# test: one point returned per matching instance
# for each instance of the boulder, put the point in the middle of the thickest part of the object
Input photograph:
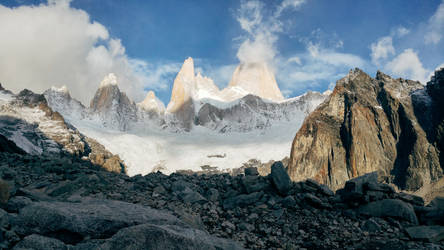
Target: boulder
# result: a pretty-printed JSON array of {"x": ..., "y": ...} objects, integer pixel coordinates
[
  {"x": 280, "y": 179},
  {"x": 371, "y": 226},
  {"x": 38, "y": 242},
  {"x": 16, "y": 203},
  {"x": 4, "y": 192},
  {"x": 191, "y": 196},
  {"x": 357, "y": 184},
  {"x": 315, "y": 201},
  {"x": 242, "y": 200},
  {"x": 426, "y": 233},
  {"x": 253, "y": 184},
  {"x": 251, "y": 171},
  {"x": 390, "y": 208},
  {"x": 71, "y": 222},
  {"x": 149, "y": 236},
  {"x": 410, "y": 198}
]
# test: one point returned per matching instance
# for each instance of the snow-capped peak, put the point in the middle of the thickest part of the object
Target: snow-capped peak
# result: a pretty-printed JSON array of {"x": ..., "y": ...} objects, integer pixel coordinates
[
  {"x": 152, "y": 103},
  {"x": 110, "y": 79},
  {"x": 62, "y": 89}
]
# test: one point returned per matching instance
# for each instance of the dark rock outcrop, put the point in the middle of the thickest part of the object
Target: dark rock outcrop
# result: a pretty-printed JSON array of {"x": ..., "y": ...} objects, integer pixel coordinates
[
  {"x": 372, "y": 124},
  {"x": 9, "y": 146}
]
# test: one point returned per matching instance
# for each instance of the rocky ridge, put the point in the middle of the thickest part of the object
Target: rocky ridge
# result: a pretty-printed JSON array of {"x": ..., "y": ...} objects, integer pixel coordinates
[
  {"x": 195, "y": 102},
  {"x": 373, "y": 124},
  {"x": 27, "y": 120},
  {"x": 204, "y": 211}
]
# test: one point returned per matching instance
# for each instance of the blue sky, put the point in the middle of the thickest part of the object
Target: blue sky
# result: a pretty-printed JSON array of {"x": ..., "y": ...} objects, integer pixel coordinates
[{"x": 309, "y": 43}]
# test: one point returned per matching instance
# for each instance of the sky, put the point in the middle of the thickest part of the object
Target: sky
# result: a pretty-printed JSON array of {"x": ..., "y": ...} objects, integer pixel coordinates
[{"x": 309, "y": 44}]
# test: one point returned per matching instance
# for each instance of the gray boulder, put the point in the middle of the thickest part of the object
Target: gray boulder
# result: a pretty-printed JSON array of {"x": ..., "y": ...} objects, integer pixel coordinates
[
  {"x": 251, "y": 171},
  {"x": 242, "y": 200},
  {"x": 426, "y": 233},
  {"x": 253, "y": 184},
  {"x": 38, "y": 242},
  {"x": 149, "y": 236},
  {"x": 390, "y": 208},
  {"x": 357, "y": 184},
  {"x": 71, "y": 222},
  {"x": 279, "y": 177}
]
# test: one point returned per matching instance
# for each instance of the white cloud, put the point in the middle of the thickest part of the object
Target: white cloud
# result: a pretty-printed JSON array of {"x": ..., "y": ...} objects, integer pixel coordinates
[
  {"x": 55, "y": 44},
  {"x": 320, "y": 66},
  {"x": 155, "y": 76},
  {"x": 250, "y": 15},
  {"x": 382, "y": 49},
  {"x": 262, "y": 31},
  {"x": 408, "y": 65},
  {"x": 402, "y": 31},
  {"x": 260, "y": 49},
  {"x": 295, "y": 59},
  {"x": 435, "y": 26},
  {"x": 334, "y": 58},
  {"x": 287, "y": 4}
]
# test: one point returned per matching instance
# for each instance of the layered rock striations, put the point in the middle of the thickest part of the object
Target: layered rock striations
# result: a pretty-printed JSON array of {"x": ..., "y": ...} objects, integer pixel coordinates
[{"x": 371, "y": 124}]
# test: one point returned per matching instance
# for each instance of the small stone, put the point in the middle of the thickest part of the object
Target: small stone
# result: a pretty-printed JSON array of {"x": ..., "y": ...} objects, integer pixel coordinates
[
  {"x": 251, "y": 171},
  {"x": 288, "y": 202},
  {"x": 371, "y": 226},
  {"x": 213, "y": 194}
]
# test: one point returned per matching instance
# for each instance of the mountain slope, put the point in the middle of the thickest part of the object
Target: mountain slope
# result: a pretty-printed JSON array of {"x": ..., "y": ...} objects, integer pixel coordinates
[
  {"x": 368, "y": 125},
  {"x": 28, "y": 121}
]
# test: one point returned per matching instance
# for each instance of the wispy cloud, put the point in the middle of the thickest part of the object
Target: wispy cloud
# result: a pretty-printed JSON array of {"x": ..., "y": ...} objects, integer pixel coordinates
[
  {"x": 382, "y": 49},
  {"x": 435, "y": 26}
]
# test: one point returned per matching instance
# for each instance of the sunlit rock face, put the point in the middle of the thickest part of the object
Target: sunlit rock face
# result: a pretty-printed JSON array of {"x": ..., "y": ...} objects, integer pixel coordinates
[
  {"x": 369, "y": 124},
  {"x": 256, "y": 79}
]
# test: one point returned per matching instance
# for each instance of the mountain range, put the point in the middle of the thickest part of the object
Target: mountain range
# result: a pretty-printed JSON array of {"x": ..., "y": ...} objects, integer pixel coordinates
[{"x": 393, "y": 126}]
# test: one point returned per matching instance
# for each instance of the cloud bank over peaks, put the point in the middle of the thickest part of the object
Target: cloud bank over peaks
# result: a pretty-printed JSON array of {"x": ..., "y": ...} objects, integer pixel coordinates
[{"x": 55, "y": 44}]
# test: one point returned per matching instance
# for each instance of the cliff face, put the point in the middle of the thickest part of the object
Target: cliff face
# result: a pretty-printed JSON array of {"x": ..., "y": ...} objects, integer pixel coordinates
[
  {"x": 112, "y": 105},
  {"x": 256, "y": 79},
  {"x": 370, "y": 125}
]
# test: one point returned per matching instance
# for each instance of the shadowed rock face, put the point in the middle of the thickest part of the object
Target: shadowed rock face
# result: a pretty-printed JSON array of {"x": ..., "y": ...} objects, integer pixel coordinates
[
  {"x": 115, "y": 108},
  {"x": 371, "y": 124}
]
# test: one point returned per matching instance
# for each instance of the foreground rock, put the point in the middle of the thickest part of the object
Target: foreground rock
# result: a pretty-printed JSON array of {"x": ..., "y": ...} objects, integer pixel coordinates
[{"x": 82, "y": 206}]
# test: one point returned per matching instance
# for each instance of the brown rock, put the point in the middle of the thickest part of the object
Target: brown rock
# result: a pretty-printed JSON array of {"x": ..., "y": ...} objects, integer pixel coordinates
[{"x": 367, "y": 124}]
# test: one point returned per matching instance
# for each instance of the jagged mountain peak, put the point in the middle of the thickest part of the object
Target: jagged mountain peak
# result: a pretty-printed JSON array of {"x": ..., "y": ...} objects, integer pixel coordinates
[
  {"x": 187, "y": 70},
  {"x": 152, "y": 103},
  {"x": 257, "y": 79},
  {"x": 108, "y": 80}
]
